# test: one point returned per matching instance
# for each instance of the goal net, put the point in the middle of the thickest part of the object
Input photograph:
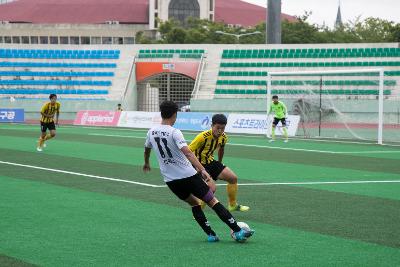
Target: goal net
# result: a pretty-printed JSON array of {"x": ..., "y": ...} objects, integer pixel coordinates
[{"x": 356, "y": 104}]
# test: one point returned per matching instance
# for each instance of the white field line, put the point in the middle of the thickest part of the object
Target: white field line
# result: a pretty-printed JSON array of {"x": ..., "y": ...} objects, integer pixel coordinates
[
  {"x": 79, "y": 174},
  {"x": 344, "y": 141},
  {"x": 314, "y": 150},
  {"x": 269, "y": 147},
  {"x": 319, "y": 183},
  {"x": 161, "y": 186}
]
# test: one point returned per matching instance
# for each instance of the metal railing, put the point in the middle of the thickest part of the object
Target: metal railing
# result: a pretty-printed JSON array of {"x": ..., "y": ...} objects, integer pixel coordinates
[{"x": 198, "y": 77}]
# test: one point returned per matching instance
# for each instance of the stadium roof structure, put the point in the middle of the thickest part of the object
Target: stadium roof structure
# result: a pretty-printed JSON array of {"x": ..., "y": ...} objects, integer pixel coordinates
[
  {"x": 242, "y": 13},
  {"x": 123, "y": 11}
]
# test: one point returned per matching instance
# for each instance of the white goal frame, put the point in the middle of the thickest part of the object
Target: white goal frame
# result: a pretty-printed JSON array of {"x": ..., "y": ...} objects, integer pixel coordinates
[{"x": 379, "y": 71}]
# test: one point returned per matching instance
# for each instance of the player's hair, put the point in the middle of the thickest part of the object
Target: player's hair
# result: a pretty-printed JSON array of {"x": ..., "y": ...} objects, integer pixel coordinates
[
  {"x": 275, "y": 97},
  {"x": 168, "y": 109},
  {"x": 119, "y": 105},
  {"x": 219, "y": 119},
  {"x": 52, "y": 95}
]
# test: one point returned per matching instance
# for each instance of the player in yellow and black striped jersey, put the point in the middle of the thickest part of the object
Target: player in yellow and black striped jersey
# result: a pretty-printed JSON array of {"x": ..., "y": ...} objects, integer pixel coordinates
[
  {"x": 48, "y": 111},
  {"x": 204, "y": 146}
]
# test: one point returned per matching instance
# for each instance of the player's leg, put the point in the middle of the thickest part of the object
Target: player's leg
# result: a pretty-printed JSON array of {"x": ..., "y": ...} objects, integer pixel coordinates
[
  {"x": 52, "y": 132},
  {"x": 182, "y": 189},
  {"x": 211, "y": 184},
  {"x": 274, "y": 123},
  {"x": 225, "y": 216},
  {"x": 284, "y": 129},
  {"x": 201, "y": 190},
  {"x": 232, "y": 188},
  {"x": 201, "y": 219},
  {"x": 43, "y": 130}
]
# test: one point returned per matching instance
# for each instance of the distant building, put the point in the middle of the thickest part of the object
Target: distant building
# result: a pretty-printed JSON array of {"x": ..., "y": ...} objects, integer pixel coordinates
[
  {"x": 338, "y": 22},
  {"x": 112, "y": 21}
]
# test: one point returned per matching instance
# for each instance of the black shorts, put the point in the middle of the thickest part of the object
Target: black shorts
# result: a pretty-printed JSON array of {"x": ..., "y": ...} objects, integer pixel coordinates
[
  {"x": 214, "y": 168},
  {"x": 194, "y": 185},
  {"x": 47, "y": 125},
  {"x": 276, "y": 121}
]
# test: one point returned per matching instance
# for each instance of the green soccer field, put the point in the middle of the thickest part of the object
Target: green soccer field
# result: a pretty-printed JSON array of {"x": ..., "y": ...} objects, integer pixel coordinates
[{"x": 84, "y": 201}]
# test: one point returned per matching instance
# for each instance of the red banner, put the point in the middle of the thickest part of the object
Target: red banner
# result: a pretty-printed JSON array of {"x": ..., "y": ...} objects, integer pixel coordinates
[{"x": 145, "y": 70}]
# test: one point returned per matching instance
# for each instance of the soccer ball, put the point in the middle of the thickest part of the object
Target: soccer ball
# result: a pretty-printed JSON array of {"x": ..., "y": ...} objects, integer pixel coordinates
[{"x": 242, "y": 225}]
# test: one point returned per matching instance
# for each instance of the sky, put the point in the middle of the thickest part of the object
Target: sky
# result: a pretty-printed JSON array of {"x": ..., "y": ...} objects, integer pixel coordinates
[{"x": 324, "y": 11}]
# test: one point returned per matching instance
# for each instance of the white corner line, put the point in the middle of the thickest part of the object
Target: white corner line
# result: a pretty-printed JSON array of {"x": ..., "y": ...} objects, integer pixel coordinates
[{"x": 81, "y": 174}]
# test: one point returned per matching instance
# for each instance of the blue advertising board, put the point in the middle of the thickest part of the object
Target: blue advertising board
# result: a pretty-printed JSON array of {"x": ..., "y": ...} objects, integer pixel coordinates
[
  {"x": 193, "y": 121},
  {"x": 12, "y": 115}
]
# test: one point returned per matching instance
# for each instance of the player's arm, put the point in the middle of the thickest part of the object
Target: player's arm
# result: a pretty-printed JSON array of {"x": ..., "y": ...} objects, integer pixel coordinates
[
  {"x": 45, "y": 115},
  {"x": 43, "y": 110},
  {"x": 197, "y": 142},
  {"x": 147, "y": 151},
  {"x": 187, "y": 151},
  {"x": 196, "y": 163},
  {"x": 146, "y": 166},
  {"x": 221, "y": 150},
  {"x": 269, "y": 112},
  {"x": 284, "y": 109},
  {"x": 192, "y": 159},
  {"x": 57, "y": 115}
]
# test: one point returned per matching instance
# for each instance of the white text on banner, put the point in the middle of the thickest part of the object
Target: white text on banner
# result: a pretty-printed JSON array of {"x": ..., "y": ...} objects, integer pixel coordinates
[{"x": 259, "y": 124}]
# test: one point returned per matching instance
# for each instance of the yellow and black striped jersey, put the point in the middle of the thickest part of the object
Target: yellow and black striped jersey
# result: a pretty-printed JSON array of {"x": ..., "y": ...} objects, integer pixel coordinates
[
  {"x": 204, "y": 145},
  {"x": 49, "y": 109}
]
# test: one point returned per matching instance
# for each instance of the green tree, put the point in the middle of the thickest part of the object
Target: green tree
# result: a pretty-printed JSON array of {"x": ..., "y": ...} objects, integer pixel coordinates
[
  {"x": 196, "y": 31},
  {"x": 375, "y": 30}
]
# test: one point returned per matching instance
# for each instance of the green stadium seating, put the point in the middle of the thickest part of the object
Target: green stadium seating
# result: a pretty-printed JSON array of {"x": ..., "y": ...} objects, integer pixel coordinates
[
  {"x": 312, "y": 53},
  {"x": 295, "y": 92},
  {"x": 309, "y": 64}
]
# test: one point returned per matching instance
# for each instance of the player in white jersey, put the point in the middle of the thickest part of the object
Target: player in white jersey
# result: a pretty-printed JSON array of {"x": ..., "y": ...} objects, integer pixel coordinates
[{"x": 184, "y": 174}]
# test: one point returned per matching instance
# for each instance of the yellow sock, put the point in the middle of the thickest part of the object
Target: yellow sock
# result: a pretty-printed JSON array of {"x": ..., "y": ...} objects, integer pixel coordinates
[
  {"x": 273, "y": 132},
  {"x": 47, "y": 137},
  {"x": 285, "y": 132},
  {"x": 41, "y": 141},
  {"x": 232, "y": 193}
]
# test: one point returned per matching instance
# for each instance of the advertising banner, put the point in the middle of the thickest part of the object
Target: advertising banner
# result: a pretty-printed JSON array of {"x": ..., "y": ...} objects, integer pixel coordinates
[
  {"x": 12, "y": 115},
  {"x": 97, "y": 118},
  {"x": 259, "y": 124},
  {"x": 193, "y": 121},
  {"x": 139, "y": 119}
]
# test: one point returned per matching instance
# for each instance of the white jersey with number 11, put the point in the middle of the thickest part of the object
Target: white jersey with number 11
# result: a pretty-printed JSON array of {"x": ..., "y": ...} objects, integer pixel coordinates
[{"x": 167, "y": 142}]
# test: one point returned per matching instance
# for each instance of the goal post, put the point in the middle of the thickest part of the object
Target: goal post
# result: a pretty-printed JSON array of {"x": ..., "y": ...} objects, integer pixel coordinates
[{"x": 334, "y": 103}]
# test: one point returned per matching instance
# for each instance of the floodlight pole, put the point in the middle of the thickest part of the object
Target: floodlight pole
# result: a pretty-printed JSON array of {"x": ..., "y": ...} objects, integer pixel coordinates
[{"x": 274, "y": 29}]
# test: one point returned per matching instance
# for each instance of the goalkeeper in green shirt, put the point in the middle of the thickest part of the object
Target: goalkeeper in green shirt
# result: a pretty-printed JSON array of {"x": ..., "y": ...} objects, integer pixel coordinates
[{"x": 280, "y": 111}]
